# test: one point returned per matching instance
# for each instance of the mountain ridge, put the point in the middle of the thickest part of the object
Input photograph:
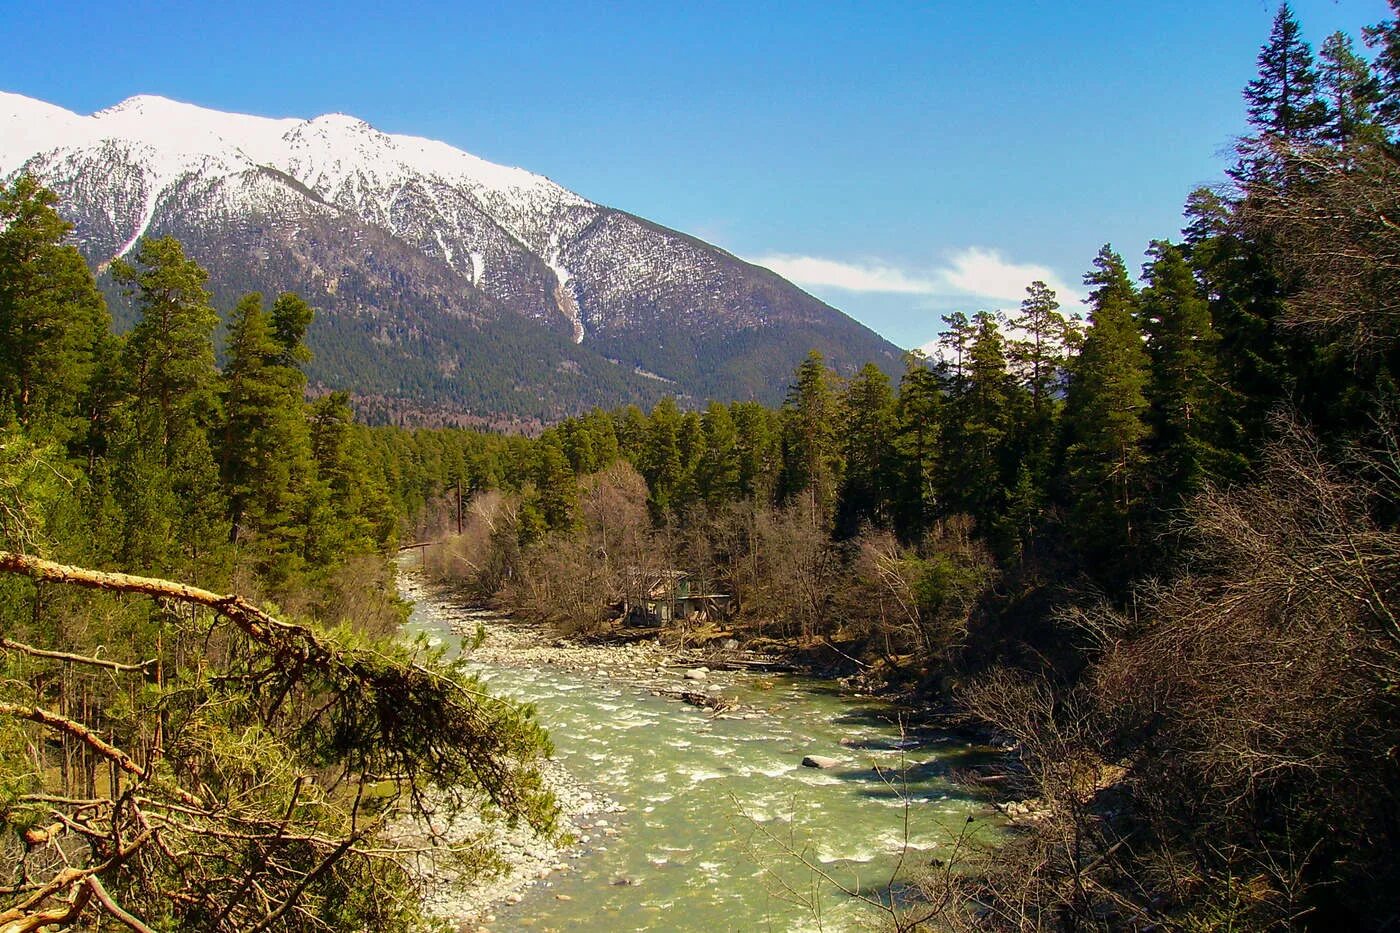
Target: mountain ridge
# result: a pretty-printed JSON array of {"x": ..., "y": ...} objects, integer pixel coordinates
[{"x": 284, "y": 203}]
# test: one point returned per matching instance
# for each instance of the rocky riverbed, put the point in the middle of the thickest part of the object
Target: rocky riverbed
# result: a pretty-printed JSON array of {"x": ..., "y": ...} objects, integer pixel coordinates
[
  {"x": 669, "y": 793},
  {"x": 527, "y": 858}
]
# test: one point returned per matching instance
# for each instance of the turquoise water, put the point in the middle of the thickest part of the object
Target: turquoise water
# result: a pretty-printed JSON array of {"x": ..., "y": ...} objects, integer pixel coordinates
[{"x": 723, "y": 828}]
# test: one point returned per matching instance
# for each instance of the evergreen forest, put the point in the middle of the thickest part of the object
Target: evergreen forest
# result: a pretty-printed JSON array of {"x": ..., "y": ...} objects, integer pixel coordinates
[{"x": 1152, "y": 545}]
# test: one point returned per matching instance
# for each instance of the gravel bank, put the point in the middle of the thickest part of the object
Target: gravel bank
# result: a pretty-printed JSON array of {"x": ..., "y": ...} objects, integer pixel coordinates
[{"x": 530, "y": 859}]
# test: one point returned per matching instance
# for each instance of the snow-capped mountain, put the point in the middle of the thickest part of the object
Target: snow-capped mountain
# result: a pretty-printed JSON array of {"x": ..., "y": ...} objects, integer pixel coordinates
[{"x": 421, "y": 257}]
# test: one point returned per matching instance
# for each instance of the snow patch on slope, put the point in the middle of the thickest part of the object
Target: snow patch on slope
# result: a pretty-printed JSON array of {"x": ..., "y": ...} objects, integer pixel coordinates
[{"x": 563, "y": 294}]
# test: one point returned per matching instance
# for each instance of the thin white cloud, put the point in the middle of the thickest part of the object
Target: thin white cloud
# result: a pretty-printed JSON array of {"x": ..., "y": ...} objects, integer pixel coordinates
[
  {"x": 986, "y": 274},
  {"x": 980, "y": 277},
  {"x": 848, "y": 276}
]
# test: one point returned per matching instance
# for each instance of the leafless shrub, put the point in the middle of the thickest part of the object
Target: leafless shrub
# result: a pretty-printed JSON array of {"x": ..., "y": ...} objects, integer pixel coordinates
[
  {"x": 1252, "y": 704},
  {"x": 916, "y": 603},
  {"x": 1332, "y": 218}
]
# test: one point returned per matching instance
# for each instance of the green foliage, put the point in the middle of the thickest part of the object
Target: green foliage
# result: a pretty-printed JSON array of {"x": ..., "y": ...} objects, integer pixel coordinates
[
  {"x": 1351, "y": 94},
  {"x": 1106, "y": 416},
  {"x": 266, "y": 458},
  {"x": 869, "y": 479},
  {"x": 170, "y": 352},
  {"x": 1186, "y": 400},
  {"x": 51, "y": 315},
  {"x": 1282, "y": 99},
  {"x": 140, "y": 453},
  {"x": 813, "y": 460}
]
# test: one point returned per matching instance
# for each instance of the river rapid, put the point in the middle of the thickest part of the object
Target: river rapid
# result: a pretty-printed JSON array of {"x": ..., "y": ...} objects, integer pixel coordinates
[{"x": 698, "y": 821}]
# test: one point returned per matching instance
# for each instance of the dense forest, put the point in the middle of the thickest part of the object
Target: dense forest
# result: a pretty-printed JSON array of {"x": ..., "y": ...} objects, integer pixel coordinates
[
  {"x": 1151, "y": 545},
  {"x": 1154, "y": 548},
  {"x": 171, "y": 756}
]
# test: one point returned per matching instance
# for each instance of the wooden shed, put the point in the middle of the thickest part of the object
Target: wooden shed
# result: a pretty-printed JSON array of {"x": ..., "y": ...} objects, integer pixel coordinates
[{"x": 664, "y": 596}]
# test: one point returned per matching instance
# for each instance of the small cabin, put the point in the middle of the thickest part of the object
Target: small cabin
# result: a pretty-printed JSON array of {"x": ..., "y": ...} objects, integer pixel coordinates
[{"x": 664, "y": 596}]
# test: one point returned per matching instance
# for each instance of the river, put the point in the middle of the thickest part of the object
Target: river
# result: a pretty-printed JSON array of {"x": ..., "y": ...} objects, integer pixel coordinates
[{"x": 717, "y": 814}]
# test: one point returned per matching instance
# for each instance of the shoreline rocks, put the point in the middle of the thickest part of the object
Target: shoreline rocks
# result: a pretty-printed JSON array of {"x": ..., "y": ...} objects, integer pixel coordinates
[{"x": 820, "y": 761}]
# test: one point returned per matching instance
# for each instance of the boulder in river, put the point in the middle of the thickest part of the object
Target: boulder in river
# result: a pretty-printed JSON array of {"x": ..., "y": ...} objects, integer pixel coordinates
[
  {"x": 696, "y": 673},
  {"x": 819, "y": 761}
]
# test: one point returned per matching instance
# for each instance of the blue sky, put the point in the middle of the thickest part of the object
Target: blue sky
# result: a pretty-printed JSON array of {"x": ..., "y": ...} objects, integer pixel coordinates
[{"x": 898, "y": 160}]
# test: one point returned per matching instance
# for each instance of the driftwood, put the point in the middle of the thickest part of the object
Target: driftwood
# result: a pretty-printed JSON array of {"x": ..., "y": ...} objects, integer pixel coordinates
[
  {"x": 719, "y": 662},
  {"x": 702, "y": 700}
]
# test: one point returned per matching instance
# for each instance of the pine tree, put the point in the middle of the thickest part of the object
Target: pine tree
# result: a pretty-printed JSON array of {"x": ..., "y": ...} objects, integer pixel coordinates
[
  {"x": 1240, "y": 276},
  {"x": 630, "y": 426},
  {"x": 919, "y": 414},
  {"x": 266, "y": 456},
  {"x": 1351, "y": 94},
  {"x": 598, "y": 426},
  {"x": 759, "y": 450},
  {"x": 955, "y": 343},
  {"x": 577, "y": 444},
  {"x": 1282, "y": 100},
  {"x": 1037, "y": 349},
  {"x": 1184, "y": 388},
  {"x": 812, "y": 458},
  {"x": 557, "y": 488},
  {"x": 170, "y": 352},
  {"x": 866, "y": 490},
  {"x": 661, "y": 454},
  {"x": 164, "y": 453},
  {"x": 975, "y": 433},
  {"x": 52, "y": 317},
  {"x": 1385, "y": 38},
  {"x": 1106, "y": 417},
  {"x": 348, "y": 511},
  {"x": 690, "y": 443},
  {"x": 719, "y": 471}
]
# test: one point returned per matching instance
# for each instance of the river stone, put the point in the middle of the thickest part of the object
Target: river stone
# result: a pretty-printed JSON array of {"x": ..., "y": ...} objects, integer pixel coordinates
[
  {"x": 730, "y": 644},
  {"x": 819, "y": 761},
  {"x": 696, "y": 673}
]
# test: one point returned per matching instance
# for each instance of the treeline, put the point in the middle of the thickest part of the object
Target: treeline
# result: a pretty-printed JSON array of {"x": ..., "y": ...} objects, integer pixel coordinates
[
  {"x": 1154, "y": 548},
  {"x": 206, "y": 718}
]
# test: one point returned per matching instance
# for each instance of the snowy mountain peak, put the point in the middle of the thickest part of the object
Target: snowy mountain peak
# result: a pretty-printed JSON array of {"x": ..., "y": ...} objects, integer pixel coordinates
[
  {"x": 143, "y": 103},
  {"x": 412, "y": 246}
]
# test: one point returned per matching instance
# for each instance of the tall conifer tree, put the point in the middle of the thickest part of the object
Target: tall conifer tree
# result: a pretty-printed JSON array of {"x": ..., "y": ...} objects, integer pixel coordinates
[
  {"x": 1351, "y": 95},
  {"x": 812, "y": 458},
  {"x": 1185, "y": 386},
  {"x": 266, "y": 459},
  {"x": 975, "y": 434},
  {"x": 1106, "y": 415},
  {"x": 52, "y": 316},
  {"x": 866, "y": 490},
  {"x": 1385, "y": 38},
  {"x": 1282, "y": 100},
  {"x": 919, "y": 414}
]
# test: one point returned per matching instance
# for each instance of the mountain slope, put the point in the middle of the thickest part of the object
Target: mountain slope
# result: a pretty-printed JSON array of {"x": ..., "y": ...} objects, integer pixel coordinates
[{"x": 441, "y": 278}]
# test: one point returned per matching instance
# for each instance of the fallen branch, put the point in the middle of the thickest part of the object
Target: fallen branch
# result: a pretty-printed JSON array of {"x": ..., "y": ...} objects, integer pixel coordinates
[
  {"x": 258, "y": 625},
  {"x": 8, "y": 645},
  {"x": 92, "y": 740}
]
